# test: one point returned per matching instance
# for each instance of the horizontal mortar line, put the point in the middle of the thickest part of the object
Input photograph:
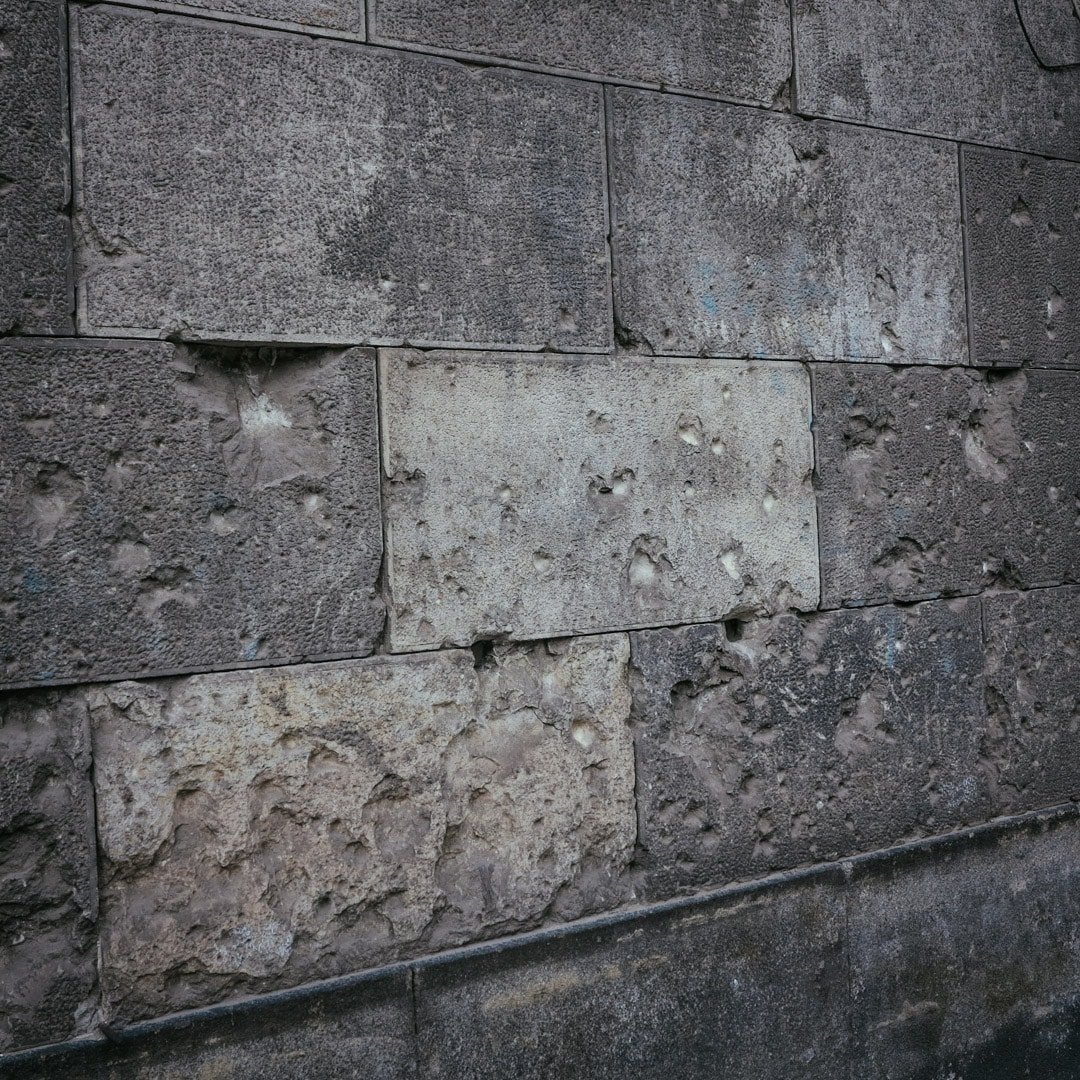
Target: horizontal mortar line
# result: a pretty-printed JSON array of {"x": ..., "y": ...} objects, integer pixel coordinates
[
  {"x": 239, "y": 1008},
  {"x": 938, "y": 597}
]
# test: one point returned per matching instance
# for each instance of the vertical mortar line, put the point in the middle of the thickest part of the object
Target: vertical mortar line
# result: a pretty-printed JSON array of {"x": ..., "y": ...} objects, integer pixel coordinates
[
  {"x": 69, "y": 101},
  {"x": 384, "y": 520},
  {"x": 965, "y": 257},
  {"x": 414, "y": 1012},
  {"x": 368, "y": 18},
  {"x": 607, "y": 148},
  {"x": 849, "y": 975},
  {"x": 794, "y": 57},
  {"x": 814, "y": 484}
]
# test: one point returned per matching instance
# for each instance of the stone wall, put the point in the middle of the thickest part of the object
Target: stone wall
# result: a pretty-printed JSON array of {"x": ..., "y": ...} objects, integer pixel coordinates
[{"x": 540, "y": 540}]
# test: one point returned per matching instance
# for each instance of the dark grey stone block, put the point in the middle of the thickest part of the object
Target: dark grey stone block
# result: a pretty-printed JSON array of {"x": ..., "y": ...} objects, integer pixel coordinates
[
  {"x": 943, "y": 482},
  {"x": 48, "y": 876},
  {"x": 247, "y": 185},
  {"x": 745, "y": 232},
  {"x": 1052, "y": 28},
  {"x": 173, "y": 509},
  {"x": 1022, "y": 233},
  {"x": 35, "y": 239},
  {"x": 741, "y": 51}
]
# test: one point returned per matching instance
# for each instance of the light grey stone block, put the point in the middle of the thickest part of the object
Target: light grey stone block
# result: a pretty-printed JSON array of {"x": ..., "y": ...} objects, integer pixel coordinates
[
  {"x": 344, "y": 18},
  {"x": 742, "y": 232},
  {"x": 172, "y": 508},
  {"x": 741, "y": 50},
  {"x": 541, "y": 496},
  {"x": 242, "y": 184},
  {"x": 961, "y": 69}
]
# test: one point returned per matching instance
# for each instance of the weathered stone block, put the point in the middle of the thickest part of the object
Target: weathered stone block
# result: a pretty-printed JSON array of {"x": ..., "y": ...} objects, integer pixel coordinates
[
  {"x": 343, "y": 18},
  {"x": 242, "y": 184},
  {"x": 35, "y": 241},
  {"x": 48, "y": 886},
  {"x": 170, "y": 509},
  {"x": 740, "y": 50},
  {"x": 805, "y": 739},
  {"x": 1053, "y": 30},
  {"x": 260, "y": 829},
  {"x": 743, "y": 232},
  {"x": 1022, "y": 228},
  {"x": 1033, "y": 693},
  {"x": 962, "y": 69},
  {"x": 940, "y": 482},
  {"x": 545, "y": 496}
]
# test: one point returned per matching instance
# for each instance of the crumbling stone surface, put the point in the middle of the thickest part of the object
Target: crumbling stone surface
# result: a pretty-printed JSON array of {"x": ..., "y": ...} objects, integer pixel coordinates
[
  {"x": 173, "y": 508},
  {"x": 35, "y": 242},
  {"x": 536, "y": 497},
  {"x": 344, "y": 17},
  {"x": 373, "y": 196},
  {"x": 1023, "y": 251},
  {"x": 742, "y": 232},
  {"x": 963, "y": 69},
  {"x": 741, "y": 51},
  {"x": 804, "y": 740},
  {"x": 933, "y": 482},
  {"x": 264, "y": 828},
  {"x": 48, "y": 887}
]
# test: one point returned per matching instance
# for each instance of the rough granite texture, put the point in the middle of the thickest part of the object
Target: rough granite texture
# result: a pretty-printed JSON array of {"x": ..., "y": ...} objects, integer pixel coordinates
[
  {"x": 176, "y": 508},
  {"x": 1053, "y": 30},
  {"x": 536, "y": 497},
  {"x": 35, "y": 237},
  {"x": 962, "y": 69},
  {"x": 48, "y": 886},
  {"x": 740, "y": 50},
  {"x": 1022, "y": 226},
  {"x": 939, "y": 482},
  {"x": 373, "y": 196},
  {"x": 260, "y": 829},
  {"x": 743, "y": 232},
  {"x": 342, "y": 17}
]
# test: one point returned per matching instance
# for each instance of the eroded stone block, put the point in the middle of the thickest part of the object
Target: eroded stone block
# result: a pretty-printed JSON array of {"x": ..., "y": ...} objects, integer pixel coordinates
[
  {"x": 172, "y": 508},
  {"x": 536, "y": 497},
  {"x": 308, "y": 190},
  {"x": 260, "y": 829},
  {"x": 940, "y": 482},
  {"x": 742, "y": 232},
  {"x": 733, "y": 50},
  {"x": 963, "y": 69},
  {"x": 35, "y": 242},
  {"x": 1022, "y": 224}
]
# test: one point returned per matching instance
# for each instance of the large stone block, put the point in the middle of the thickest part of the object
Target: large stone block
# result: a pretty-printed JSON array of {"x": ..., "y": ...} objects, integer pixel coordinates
[
  {"x": 342, "y": 18},
  {"x": 741, "y": 51},
  {"x": 48, "y": 878},
  {"x": 170, "y": 509},
  {"x": 943, "y": 482},
  {"x": 260, "y": 829},
  {"x": 545, "y": 496},
  {"x": 35, "y": 239},
  {"x": 962, "y": 69},
  {"x": 804, "y": 739},
  {"x": 242, "y": 184},
  {"x": 744, "y": 232},
  {"x": 1022, "y": 229}
]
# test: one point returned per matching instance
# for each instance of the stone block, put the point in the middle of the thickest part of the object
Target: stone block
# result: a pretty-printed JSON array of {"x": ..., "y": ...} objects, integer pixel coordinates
[
  {"x": 1022, "y": 229},
  {"x": 743, "y": 232},
  {"x": 35, "y": 237},
  {"x": 740, "y": 51},
  {"x": 804, "y": 739},
  {"x": 342, "y": 18},
  {"x": 242, "y": 184},
  {"x": 933, "y": 483},
  {"x": 48, "y": 877},
  {"x": 264, "y": 828},
  {"x": 538, "y": 497},
  {"x": 1053, "y": 30},
  {"x": 961, "y": 69},
  {"x": 172, "y": 509}
]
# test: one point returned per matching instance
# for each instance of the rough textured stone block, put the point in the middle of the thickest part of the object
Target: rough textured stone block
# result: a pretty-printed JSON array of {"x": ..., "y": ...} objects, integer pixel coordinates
[
  {"x": 933, "y": 482},
  {"x": 48, "y": 886},
  {"x": 260, "y": 829},
  {"x": 962, "y": 69},
  {"x": 739, "y": 50},
  {"x": 341, "y": 17},
  {"x": 539, "y": 497},
  {"x": 743, "y": 232},
  {"x": 35, "y": 242},
  {"x": 1033, "y": 693},
  {"x": 1052, "y": 28},
  {"x": 805, "y": 739},
  {"x": 171, "y": 509},
  {"x": 752, "y": 986},
  {"x": 1022, "y": 227},
  {"x": 243, "y": 184}
]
